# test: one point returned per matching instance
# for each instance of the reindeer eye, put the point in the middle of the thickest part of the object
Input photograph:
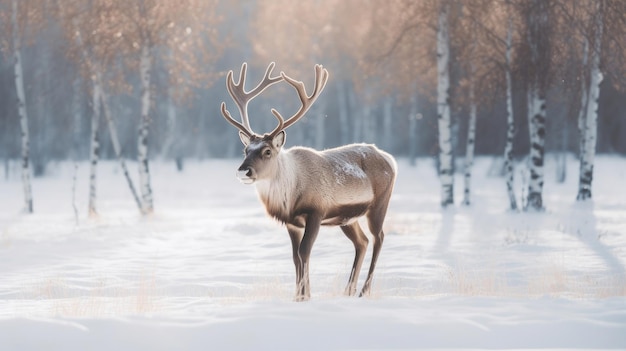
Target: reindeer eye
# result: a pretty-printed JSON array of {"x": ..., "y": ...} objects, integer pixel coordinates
[{"x": 267, "y": 152}]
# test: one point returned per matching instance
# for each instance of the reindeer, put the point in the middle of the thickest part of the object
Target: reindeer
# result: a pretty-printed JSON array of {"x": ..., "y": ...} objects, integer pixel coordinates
[{"x": 304, "y": 188}]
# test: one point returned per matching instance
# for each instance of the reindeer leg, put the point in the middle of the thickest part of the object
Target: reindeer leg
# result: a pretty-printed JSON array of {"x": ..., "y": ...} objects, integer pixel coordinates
[
  {"x": 378, "y": 243},
  {"x": 375, "y": 219},
  {"x": 295, "y": 234},
  {"x": 355, "y": 234},
  {"x": 311, "y": 229}
]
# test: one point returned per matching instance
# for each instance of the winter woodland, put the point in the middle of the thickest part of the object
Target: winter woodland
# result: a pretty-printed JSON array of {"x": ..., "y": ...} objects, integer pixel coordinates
[
  {"x": 141, "y": 80},
  {"x": 112, "y": 141}
]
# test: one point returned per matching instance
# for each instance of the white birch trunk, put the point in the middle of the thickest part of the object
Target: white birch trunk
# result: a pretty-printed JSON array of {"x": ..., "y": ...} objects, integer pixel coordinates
[
  {"x": 510, "y": 121},
  {"x": 584, "y": 99},
  {"x": 471, "y": 132},
  {"x": 536, "y": 113},
  {"x": 21, "y": 109},
  {"x": 537, "y": 118},
  {"x": 103, "y": 102},
  {"x": 591, "y": 118},
  {"x": 443, "y": 110},
  {"x": 94, "y": 149},
  {"x": 145, "y": 67},
  {"x": 115, "y": 141},
  {"x": 471, "y": 137}
]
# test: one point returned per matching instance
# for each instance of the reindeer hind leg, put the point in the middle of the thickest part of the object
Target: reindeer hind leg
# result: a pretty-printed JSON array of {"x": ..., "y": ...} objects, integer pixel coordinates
[
  {"x": 354, "y": 232},
  {"x": 375, "y": 219}
]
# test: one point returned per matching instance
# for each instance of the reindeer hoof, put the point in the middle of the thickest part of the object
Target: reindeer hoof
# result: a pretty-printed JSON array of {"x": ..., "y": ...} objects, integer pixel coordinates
[
  {"x": 350, "y": 292},
  {"x": 301, "y": 298}
]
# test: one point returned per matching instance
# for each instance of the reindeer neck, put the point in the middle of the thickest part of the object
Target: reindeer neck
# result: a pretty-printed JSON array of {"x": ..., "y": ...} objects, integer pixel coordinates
[{"x": 277, "y": 192}]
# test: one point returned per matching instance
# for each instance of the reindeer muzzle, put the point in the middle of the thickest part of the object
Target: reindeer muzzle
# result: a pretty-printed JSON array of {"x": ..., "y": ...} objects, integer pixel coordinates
[{"x": 246, "y": 175}]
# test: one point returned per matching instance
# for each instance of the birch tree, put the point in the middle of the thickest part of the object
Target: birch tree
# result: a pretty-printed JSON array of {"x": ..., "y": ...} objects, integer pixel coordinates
[
  {"x": 538, "y": 19},
  {"x": 509, "y": 172},
  {"x": 604, "y": 29},
  {"x": 473, "y": 59},
  {"x": 469, "y": 51},
  {"x": 21, "y": 18},
  {"x": 94, "y": 149},
  {"x": 446, "y": 169},
  {"x": 477, "y": 43},
  {"x": 500, "y": 42},
  {"x": 488, "y": 57},
  {"x": 145, "y": 72},
  {"x": 587, "y": 122},
  {"x": 93, "y": 45},
  {"x": 183, "y": 30},
  {"x": 471, "y": 140},
  {"x": 21, "y": 105},
  {"x": 74, "y": 26},
  {"x": 404, "y": 51},
  {"x": 584, "y": 98}
]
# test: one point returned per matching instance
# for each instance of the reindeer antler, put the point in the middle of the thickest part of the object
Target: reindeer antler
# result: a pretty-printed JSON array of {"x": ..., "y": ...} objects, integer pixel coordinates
[
  {"x": 321, "y": 77},
  {"x": 242, "y": 97}
]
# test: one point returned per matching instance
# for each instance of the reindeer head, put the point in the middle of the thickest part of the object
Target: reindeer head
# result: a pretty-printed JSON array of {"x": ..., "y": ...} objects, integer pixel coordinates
[{"x": 262, "y": 151}]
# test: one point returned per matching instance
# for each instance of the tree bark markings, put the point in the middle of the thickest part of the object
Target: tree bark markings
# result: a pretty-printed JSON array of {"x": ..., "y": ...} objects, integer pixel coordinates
[
  {"x": 21, "y": 108},
  {"x": 94, "y": 149},
  {"x": 510, "y": 119},
  {"x": 103, "y": 101},
  {"x": 142, "y": 140},
  {"x": 536, "y": 101},
  {"x": 471, "y": 130},
  {"x": 443, "y": 110},
  {"x": 590, "y": 123}
]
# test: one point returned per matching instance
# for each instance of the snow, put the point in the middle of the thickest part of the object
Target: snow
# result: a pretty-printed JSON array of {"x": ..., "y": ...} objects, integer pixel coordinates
[{"x": 209, "y": 270}]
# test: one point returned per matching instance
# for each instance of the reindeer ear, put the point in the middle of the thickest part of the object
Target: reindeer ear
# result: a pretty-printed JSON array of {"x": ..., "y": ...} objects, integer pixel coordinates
[
  {"x": 244, "y": 138},
  {"x": 279, "y": 139}
]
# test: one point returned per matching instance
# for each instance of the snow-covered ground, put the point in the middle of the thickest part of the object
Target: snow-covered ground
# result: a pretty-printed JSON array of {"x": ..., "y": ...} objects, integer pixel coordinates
[{"x": 210, "y": 271}]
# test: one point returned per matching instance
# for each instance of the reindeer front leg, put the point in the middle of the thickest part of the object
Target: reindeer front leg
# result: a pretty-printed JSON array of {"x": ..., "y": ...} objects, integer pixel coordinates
[
  {"x": 312, "y": 227},
  {"x": 295, "y": 234}
]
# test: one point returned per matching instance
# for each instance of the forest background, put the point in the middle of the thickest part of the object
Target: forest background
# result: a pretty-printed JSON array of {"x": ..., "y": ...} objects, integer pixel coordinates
[{"x": 144, "y": 79}]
